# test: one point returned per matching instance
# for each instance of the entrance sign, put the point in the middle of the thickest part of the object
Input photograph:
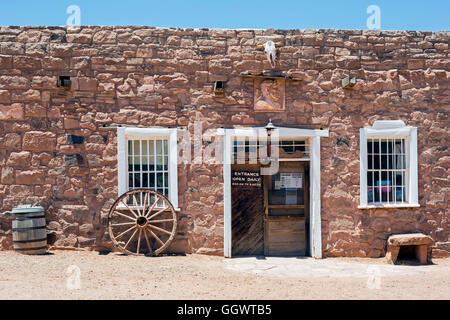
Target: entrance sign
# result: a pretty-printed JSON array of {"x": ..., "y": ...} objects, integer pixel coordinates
[{"x": 246, "y": 179}]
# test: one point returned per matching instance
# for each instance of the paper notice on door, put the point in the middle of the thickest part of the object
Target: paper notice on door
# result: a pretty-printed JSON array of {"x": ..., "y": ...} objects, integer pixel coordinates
[
  {"x": 277, "y": 184},
  {"x": 291, "y": 180}
]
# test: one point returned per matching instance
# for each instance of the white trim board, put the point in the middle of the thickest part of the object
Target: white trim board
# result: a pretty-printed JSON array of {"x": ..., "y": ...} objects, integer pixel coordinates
[{"x": 283, "y": 133}]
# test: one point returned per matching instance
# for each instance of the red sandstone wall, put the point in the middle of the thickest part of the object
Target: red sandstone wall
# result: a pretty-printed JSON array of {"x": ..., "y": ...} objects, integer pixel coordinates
[{"x": 163, "y": 77}]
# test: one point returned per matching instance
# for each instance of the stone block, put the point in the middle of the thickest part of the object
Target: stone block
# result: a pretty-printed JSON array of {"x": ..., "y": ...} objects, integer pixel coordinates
[
  {"x": 30, "y": 177},
  {"x": 11, "y": 112},
  {"x": 105, "y": 37},
  {"x": 39, "y": 141},
  {"x": 19, "y": 159}
]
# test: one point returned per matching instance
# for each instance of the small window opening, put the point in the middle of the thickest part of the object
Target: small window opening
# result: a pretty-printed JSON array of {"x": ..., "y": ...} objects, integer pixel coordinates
[
  {"x": 219, "y": 86},
  {"x": 64, "y": 82}
]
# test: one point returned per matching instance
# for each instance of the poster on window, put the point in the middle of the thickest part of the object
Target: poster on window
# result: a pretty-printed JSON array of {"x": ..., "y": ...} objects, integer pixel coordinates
[{"x": 291, "y": 180}]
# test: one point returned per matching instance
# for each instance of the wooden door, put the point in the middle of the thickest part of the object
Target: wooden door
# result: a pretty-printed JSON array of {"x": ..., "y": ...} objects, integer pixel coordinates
[
  {"x": 247, "y": 198},
  {"x": 286, "y": 211}
]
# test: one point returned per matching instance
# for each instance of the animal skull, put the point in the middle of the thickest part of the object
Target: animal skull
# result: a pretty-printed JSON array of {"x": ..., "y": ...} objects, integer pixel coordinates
[{"x": 271, "y": 51}]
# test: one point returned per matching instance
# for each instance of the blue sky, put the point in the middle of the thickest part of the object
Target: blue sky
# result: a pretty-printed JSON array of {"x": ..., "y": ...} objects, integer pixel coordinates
[{"x": 428, "y": 15}]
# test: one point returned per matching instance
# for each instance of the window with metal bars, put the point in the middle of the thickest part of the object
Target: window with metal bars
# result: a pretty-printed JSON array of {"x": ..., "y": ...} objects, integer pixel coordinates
[
  {"x": 148, "y": 161},
  {"x": 386, "y": 171}
]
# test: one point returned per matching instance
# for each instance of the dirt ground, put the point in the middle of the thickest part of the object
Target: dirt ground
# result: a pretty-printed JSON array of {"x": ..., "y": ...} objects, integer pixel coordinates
[{"x": 115, "y": 276}]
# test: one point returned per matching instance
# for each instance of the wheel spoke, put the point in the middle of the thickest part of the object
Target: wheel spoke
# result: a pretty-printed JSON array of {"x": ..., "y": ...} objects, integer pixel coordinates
[
  {"x": 136, "y": 205},
  {"x": 160, "y": 229},
  {"x": 145, "y": 202},
  {"x": 162, "y": 220},
  {"x": 125, "y": 232},
  {"x": 124, "y": 202},
  {"x": 124, "y": 215},
  {"x": 139, "y": 241},
  {"x": 124, "y": 224},
  {"x": 148, "y": 242},
  {"x": 158, "y": 213},
  {"x": 129, "y": 240},
  {"x": 155, "y": 236},
  {"x": 152, "y": 206}
]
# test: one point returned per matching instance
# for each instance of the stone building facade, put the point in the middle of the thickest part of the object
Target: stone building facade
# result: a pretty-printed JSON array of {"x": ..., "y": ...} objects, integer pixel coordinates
[{"x": 156, "y": 77}]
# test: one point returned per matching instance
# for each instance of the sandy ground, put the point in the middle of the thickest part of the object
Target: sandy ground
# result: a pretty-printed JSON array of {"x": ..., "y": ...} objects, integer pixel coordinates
[{"x": 115, "y": 276}]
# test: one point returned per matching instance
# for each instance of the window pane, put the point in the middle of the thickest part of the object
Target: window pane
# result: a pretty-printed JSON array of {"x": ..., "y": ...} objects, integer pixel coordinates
[
  {"x": 399, "y": 194},
  {"x": 166, "y": 148},
  {"x": 152, "y": 180},
  {"x": 384, "y": 164},
  {"x": 159, "y": 147},
  {"x": 369, "y": 179},
  {"x": 370, "y": 162},
  {"x": 390, "y": 162},
  {"x": 369, "y": 146},
  {"x": 389, "y": 186},
  {"x": 376, "y": 161},
  {"x": 137, "y": 180},
  {"x": 159, "y": 179},
  {"x": 376, "y": 146},
  {"x": 144, "y": 147},
  {"x": 166, "y": 179},
  {"x": 151, "y": 161},
  {"x": 166, "y": 163},
  {"x": 398, "y": 146},
  {"x": 390, "y": 146},
  {"x": 130, "y": 163},
  {"x": 151, "y": 147},
  {"x": 399, "y": 162},
  {"x": 144, "y": 163},
  {"x": 145, "y": 180},
  {"x": 137, "y": 163},
  {"x": 130, "y": 180},
  {"x": 399, "y": 178},
  {"x": 370, "y": 194},
  {"x": 137, "y": 147},
  {"x": 383, "y": 146},
  {"x": 159, "y": 163}
]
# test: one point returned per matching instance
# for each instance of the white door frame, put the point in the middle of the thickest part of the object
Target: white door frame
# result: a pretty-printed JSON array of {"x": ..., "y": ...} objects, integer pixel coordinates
[{"x": 314, "y": 195}]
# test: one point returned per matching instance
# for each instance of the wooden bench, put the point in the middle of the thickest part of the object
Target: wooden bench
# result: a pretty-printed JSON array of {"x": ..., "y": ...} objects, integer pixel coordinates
[{"x": 418, "y": 240}]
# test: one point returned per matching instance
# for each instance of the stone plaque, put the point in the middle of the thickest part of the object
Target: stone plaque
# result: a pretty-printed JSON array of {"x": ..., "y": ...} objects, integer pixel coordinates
[
  {"x": 269, "y": 95},
  {"x": 247, "y": 179}
]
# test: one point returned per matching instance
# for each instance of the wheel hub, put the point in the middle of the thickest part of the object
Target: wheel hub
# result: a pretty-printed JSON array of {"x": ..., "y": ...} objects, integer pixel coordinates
[{"x": 141, "y": 222}]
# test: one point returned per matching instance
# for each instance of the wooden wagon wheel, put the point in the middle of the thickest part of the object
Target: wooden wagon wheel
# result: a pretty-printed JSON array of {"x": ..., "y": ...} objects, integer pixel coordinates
[{"x": 142, "y": 222}]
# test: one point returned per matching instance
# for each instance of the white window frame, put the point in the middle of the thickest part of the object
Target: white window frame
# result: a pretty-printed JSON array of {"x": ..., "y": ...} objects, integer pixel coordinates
[
  {"x": 391, "y": 129},
  {"x": 129, "y": 133}
]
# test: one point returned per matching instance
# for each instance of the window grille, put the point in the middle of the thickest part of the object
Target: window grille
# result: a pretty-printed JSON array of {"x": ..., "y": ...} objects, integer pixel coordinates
[
  {"x": 148, "y": 164},
  {"x": 386, "y": 174}
]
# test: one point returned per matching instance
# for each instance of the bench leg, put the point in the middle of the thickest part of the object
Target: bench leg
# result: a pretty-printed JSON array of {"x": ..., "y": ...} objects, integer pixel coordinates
[
  {"x": 421, "y": 253},
  {"x": 392, "y": 253}
]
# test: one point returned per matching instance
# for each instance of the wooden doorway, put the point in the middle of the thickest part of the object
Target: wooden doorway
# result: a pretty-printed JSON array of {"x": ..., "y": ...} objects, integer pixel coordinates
[
  {"x": 270, "y": 214},
  {"x": 247, "y": 197},
  {"x": 286, "y": 203}
]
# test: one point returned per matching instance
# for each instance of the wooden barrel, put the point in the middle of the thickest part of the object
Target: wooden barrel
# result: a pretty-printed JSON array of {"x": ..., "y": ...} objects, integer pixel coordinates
[{"x": 29, "y": 232}]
